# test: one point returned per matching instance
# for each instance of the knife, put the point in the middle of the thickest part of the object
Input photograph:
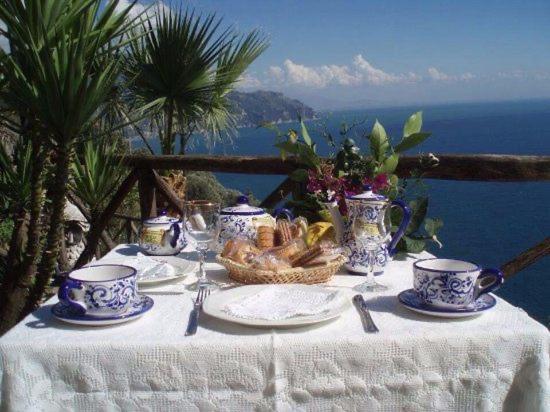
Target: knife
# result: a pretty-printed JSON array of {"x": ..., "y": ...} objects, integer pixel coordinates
[{"x": 368, "y": 323}]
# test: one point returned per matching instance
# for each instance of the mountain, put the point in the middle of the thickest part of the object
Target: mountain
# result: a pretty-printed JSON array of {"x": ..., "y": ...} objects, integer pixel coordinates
[{"x": 255, "y": 108}]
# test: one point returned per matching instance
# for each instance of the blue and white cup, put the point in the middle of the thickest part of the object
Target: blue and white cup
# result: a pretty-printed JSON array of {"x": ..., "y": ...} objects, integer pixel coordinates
[
  {"x": 102, "y": 290},
  {"x": 451, "y": 283}
]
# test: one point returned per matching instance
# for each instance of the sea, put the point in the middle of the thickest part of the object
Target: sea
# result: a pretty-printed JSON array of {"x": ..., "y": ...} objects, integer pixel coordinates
[{"x": 484, "y": 222}]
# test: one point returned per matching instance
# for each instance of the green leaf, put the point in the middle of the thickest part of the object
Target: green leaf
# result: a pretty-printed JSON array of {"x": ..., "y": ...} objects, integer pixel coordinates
[
  {"x": 410, "y": 141},
  {"x": 419, "y": 209},
  {"x": 305, "y": 133},
  {"x": 299, "y": 175},
  {"x": 389, "y": 165},
  {"x": 292, "y": 136},
  {"x": 432, "y": 226},
  {"x": 413, "y": 245},
  {"x": 413, "y": 124},
  {"x": 288, "y": 147},
  {"x": 379, "y": 143}
]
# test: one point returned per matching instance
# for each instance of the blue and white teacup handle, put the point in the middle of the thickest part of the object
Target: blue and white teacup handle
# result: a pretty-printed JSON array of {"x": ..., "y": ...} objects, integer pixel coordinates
[
  {"x": 497, "y": 276},
  {"x": 65, "y": 296},
  {"x": 392, "y": 247},
  {"x": 284, "y": 212}
]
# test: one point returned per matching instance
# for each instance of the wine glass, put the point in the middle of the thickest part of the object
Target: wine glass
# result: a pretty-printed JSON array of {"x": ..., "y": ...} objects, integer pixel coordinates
[
  {"x": 202, "y": 223},
  {"x": 371, "y": 234}
]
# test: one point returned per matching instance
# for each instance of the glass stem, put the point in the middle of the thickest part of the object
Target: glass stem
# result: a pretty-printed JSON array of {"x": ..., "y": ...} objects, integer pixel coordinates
[
  {"x": 371, "y": 259},
  {"x": 202, "y": 269}
]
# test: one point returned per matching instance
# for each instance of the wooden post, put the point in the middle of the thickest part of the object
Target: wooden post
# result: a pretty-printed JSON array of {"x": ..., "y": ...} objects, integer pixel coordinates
[
  {"x": 278, "y": 194},
  {"x": 129, "y": 233},
  {"x": 147, "y": 198},
  {"x": 172, "y": 198},
  {"x": 526, "y": 258}
]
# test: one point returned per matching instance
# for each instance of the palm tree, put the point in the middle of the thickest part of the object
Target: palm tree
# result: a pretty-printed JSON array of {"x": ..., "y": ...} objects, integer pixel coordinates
[
  {"x": 59, "y": 74},
  {"x": 96, "y": 174},
  {"x": 181, "y": 71}
]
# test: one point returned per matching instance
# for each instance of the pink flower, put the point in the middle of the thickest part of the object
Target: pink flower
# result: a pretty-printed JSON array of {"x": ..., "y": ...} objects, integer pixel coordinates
[{"x": 378, "y": 183}]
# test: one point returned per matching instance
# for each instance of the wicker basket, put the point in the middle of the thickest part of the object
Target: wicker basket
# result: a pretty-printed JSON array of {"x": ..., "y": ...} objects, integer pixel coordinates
[{"x": 308, "y": 275}]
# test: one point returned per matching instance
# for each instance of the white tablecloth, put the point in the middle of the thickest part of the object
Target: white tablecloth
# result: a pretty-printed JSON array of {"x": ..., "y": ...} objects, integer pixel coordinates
[{"x": 499, "y": 361}]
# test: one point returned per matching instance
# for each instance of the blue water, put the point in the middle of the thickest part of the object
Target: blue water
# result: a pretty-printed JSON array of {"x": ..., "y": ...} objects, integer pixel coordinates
[{"x": 488, "y": 223}]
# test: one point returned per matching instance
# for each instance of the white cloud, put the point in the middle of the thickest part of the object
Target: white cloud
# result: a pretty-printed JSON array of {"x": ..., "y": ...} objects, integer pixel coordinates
[
  {"x": 361, "y": 72},
  {"x": 247, "y": 81},
  {"x": 373, "y": 75},
  {"x": 276, "y": 73},
  {"x": 516, "y": 74},
  {"x": 438, "y": 75},
  {"x": 139, "y": 8},
  {"x": 303, "y": 75}
]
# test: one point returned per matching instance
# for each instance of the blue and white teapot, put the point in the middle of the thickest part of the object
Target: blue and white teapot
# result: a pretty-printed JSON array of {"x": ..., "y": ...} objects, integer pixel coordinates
[
  {"x": 162, "y": 236},
  {"x": 242, "y": 220},
  {"x": 368, "y": 205}
]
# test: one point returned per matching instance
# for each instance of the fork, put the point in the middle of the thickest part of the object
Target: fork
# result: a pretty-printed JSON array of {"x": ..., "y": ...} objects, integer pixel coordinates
[{"x": 202, "y": 294}]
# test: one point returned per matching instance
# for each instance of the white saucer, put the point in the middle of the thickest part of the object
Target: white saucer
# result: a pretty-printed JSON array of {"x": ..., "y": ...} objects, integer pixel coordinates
[
  {"x": 410, "y": 299},
  {"x": 65, "y": 313}
]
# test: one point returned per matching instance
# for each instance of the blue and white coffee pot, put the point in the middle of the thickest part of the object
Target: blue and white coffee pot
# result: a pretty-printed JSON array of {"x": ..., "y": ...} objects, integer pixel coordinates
[{"x": 368, "y": 205}]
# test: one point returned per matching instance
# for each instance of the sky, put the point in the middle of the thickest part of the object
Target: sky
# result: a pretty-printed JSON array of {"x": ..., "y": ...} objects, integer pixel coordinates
[{"x": 353, "y": 53}]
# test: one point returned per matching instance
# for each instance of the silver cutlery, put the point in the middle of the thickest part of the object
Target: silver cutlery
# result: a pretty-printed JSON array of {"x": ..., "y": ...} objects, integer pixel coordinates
[
  {"x": 202, "y": 294},
  {"x": 368, "y": 323}
]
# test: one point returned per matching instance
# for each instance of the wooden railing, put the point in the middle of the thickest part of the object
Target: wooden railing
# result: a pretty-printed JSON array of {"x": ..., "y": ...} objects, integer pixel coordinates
[{"x": 464, "y": 167}]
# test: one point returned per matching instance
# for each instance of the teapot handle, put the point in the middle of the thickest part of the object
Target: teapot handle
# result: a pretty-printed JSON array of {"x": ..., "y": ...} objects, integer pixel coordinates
[
  {"x": 177, "y": 231},
  {"x": 283, "y": 211},
  {"x": 402, "y": 226}
]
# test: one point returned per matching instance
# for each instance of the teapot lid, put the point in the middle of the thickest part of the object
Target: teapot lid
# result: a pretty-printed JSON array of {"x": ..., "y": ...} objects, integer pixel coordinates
[
  {"x": 161, "y": 219},
  {"x": 242, "y": 208},
  {"x": 368, "y": 195}
]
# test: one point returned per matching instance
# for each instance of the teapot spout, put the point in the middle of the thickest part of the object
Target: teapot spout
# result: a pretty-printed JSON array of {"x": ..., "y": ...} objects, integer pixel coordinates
[{"x": 337, "y": 220}]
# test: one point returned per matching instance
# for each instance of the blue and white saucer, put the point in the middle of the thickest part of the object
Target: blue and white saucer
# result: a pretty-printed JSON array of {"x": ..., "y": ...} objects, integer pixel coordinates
[
  {"x": 410, "y": 299},
  {"x": 65, "y": 313}
]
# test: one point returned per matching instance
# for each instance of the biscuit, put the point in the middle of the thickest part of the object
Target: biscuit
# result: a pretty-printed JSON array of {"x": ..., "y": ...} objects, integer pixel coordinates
[
  {"x": 283, "y": 232},
  {"x": 265, "y": 237},
  {"x": 302, "y": 258}
]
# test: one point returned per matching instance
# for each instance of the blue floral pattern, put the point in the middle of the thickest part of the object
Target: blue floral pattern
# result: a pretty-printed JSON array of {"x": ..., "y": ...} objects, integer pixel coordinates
[
  {"x": 445, "y": 287},
  {"x": 357, "y": 254},
  {"x": 236, "y": 226},
  {"x": 116, "y": 296}
]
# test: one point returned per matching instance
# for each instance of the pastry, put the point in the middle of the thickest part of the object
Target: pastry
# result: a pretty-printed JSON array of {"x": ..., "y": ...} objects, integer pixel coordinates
[
  {"x": 268, "y": 261},
  {"x": 290, "y": 249},
  {"x": 283, "y": 232},
  {"x": 240, "y": 251},
  {"x": 302, "y": 258},
  {"x": 265, "y": 237}
]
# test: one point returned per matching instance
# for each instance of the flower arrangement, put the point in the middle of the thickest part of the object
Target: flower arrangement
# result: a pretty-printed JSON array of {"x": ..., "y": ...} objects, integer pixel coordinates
[{"x": 322, "y": 180}]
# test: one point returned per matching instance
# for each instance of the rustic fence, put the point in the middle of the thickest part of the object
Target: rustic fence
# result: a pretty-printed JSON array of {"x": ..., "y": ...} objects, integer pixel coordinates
[{"x": 464, "y": 167}]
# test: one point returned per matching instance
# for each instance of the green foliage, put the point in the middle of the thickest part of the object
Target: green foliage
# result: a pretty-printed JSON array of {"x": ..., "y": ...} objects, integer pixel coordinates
[
  {"x": 61, "y": 73},
  {"x": 299, "y": 146},
  {"x": 6, "y": 227},
  {"x": 15, "y": 176},
  {"x": 97, "y": 172},
  {"x": 180, "y": 68},
  {"x": 204, "y": 185},
  {"x": 356, "y": 168},
  {"x": 379, "y": 142}
]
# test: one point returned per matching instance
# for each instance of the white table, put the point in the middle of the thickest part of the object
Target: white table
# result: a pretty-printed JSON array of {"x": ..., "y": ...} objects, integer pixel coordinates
[{"x": 494, "y": 362}]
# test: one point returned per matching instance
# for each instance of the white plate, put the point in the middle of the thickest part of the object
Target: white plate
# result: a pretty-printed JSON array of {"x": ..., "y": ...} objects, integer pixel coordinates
[
  {"x": 180, "y": 268},
  {"x": 215, "y": 304}
]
